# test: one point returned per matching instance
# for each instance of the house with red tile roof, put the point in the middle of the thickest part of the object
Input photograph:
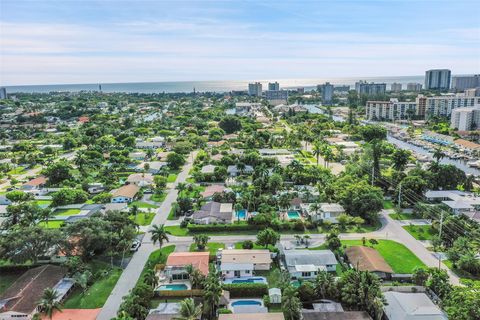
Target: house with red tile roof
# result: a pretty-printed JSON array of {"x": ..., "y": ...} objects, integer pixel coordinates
[{"x": 178, "y": 261}]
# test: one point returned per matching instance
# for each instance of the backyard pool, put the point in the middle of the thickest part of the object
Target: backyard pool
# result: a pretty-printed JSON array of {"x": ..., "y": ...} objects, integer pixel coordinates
[
  {"x": 241, "y": 214},
  {"x": 292, "y": 215},
  {"x": 246, "y": 303},
  {"x": 173, "y": 287},
  {"x": 246, "y": 280}
]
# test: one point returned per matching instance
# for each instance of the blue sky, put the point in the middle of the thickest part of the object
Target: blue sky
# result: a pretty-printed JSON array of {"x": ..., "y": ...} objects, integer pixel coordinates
[{"x": 90, "y": 41}]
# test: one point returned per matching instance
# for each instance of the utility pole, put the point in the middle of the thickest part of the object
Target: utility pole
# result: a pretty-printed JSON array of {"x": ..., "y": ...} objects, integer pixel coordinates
[
  {"x": 440, "y": 237},
  {"x": 373, "y": 174}
]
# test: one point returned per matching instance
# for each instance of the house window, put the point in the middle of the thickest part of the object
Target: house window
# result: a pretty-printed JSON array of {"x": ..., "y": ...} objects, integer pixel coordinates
[
  {"x": 306, "y": 274},
  {"x": 247, "y": 271}
]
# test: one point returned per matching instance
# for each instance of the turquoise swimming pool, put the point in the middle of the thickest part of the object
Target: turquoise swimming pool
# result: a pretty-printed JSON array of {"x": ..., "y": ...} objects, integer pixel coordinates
[
  {"x": 241, "y": 214},
  {"x": 292, "y": 215},
  {"x": 174, "y": 287},
  {"x": 246, "y": 303}
]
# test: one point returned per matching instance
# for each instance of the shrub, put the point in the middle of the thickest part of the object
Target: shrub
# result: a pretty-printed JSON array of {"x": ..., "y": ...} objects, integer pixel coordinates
[
  {"x": 247, "y": 244},
  {"x": 199, "y": 228},
  {"x": 246, "y": 289},
  {"x": 224, "y": 311}
]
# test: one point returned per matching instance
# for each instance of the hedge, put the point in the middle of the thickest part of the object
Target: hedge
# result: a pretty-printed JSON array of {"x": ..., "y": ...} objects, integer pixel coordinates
[
  {"x": 197, "y": 228},
  {"x": 179, "y": 293},
  {"x": 240, "y": 290}
]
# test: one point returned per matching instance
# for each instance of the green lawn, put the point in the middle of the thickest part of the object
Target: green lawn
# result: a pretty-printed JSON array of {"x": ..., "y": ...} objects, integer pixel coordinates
[
  {"x": 177, "y": 231},
  {"x": 460, "y": 273},
  {"x": 172, "y": 177},
  {"x": 141, "y": 204},
  {"x": 143, "y": 218},
  {"x": 403, "y": 216},
  {"x": 96, "y": 294},
  {"x": 158, "y": 197},
  {"x": 238, "y": 245},
  {"x": 43, "y": 202},
  {"x": 421, "y": 232},
  {"x": 388, "y": 204},
  {"x": 354, "y": 229},
  {"x": 273, "y": 276},
  {"x": 66, "y": 212},
  {"x": 171, "y": 215},
  {"x": 52, "y": 224},
  {"x": 7, "y": 279},
  {"x": 17, "y": 170},
  {"x": 158, "y": 256},
  {"x": 212, "y": 247},
  {"x": 399, "y": 257}
]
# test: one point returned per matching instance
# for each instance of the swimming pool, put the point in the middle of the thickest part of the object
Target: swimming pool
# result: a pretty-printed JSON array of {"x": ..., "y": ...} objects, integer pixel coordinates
[
  {"x": 293, "y": 215},
  {"x": 246, "y": 280},
  {"x": 173, "y": 287},
  {"x": 241, "y": 214},
  {"x": 246, "y": 303}
]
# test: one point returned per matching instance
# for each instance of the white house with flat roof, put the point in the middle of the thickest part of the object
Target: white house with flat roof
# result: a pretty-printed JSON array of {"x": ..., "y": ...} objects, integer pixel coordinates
[
  {"x": 411, "y": 306},
  {"x": 306, "y": 264},
  {"x": 460, "y": 202}
]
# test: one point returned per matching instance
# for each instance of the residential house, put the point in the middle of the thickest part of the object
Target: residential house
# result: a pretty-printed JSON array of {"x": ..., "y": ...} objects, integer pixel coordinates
[
  {"x": 236, "y": 263},
  {"x": 212, "y": 189},
  {"x": 84, "y": 211},
  {"x": 329, "y": 212},
  {"x": 35, "y": 184},
  {"x": 154, "y": 167},
  {"x": 121, "y": 206},
  {"x": 250, "y": 316},
  {"x": 177, "y": 262},
  {"x": 368, "y": 259},
  {"x": 335, "y": 315},
  {"x": 208, "y": 169},
  {"x": 459, "y": 202},
  {"x": 20, "y": 300},
  {"x": 149, "y": 144},
  {"x": 411, "y": 306},
  {"x": 296, "y": 204},
  {"x": 214, "y": 212},
  {"x": 94, "y": 188},
  {"x": 234, "y": 171},
  {"x": 162, "y": 155},
  {"x": 273, "y": 152},
  {"x": 140, "y": 156},
  {"x": 4, "y": 201},
  {"x": 165, "y": 311},
  {"x": 305, "y": 264},
  {"x": 125, "y": 193},
  {"x": 140, "y": 179}
]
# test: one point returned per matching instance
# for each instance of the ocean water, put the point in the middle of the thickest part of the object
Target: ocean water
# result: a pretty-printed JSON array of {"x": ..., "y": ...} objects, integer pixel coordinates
[{"x": 204, "y": 86}]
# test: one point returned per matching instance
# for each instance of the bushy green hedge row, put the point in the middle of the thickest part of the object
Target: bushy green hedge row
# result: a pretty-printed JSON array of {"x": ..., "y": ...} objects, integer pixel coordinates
[
  {"x": 240, "y": 290},
  {"x": 198, "y": 228}
]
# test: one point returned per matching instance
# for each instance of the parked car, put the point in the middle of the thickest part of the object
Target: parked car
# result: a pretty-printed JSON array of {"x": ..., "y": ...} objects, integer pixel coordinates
[{"x": 135, "y": 245}]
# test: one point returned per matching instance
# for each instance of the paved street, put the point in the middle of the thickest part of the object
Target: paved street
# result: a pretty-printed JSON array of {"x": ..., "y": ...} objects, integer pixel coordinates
[
  {"x": 391, "y": 229},
  {"x": 130, "y": 275}
]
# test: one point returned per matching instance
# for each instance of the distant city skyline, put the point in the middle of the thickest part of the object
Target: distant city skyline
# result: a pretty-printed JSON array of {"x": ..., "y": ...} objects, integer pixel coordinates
[{"x": 73, "y": 42}]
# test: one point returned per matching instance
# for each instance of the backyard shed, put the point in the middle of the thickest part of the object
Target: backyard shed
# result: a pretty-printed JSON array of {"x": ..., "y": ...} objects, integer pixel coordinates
[{"x": 275, "y": 295}]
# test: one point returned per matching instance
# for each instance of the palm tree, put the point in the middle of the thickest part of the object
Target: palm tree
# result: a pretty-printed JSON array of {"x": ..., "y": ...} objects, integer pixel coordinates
[
  {"x": 80, "y": 160},
  {"x": 159, "y": 234},
  {"x": 317, "y": 150},
  {"x": 189, "y": 311},
  {"x": 291, "y": 304},
  {"x": 150, "y": 278},
  {"x": 196, "y": 278},
  {"x": 438, "y": 155},
  {"x": 49, "y": 302},
  {"x": 134, "y": 211},
  {"x": 324, "y": 283}
]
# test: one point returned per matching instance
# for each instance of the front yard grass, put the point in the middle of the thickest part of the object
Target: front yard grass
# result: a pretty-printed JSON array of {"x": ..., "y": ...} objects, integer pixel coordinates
[
  {"x": 403, "y": 216},
  {"x": 143, "y": 218},
  {"x": 52, "y": 224},
  {"x": 96, "y": 294},
  {"x": 7, "y": 279},
  {"x": 463, "y": 275},
  {"x": 158, "y": 256},
  {"x": 421, "y": 232},
  {"x": 399, "y": 257},
  {"x": 171, "y": 177},
  {"x": 141, "y": 204},
  {"x": 238, "y": 245},
  {"x": 212, "y": 247},
  {"x": 158, "y": 197},
  {"x": 388, "y": 204},
  {"x": 43, "y": 202},
  {"x": 66, "y": 212}
]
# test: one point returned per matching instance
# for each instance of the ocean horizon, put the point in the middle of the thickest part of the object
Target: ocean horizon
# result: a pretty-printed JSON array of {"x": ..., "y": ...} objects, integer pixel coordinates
[{"x": 203, "y": 86}]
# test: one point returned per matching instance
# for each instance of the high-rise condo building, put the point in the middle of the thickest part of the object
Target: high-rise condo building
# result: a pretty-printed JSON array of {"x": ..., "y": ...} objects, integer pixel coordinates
[
  {"x": 327, "y": 92},
  {"x": 437, "y": 79},
  {"x": 461, "y": 83},
  {"x": 3, "y": 93},
  {"x": 370, "y": 89},
  {"x": 465, "y": 119},
  {"x": 273, "y": 86},
  {"x": 390, "y": 110},
  {"x": 412, "y": 86},
  {"x": 276, "y": 97},
  {"x": 255, "y": 89},
  {"x": 443, "y": 105},
  {"x": 396, "y": 87}
]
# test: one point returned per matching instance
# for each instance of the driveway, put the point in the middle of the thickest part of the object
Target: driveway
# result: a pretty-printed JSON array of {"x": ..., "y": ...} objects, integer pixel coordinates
[{"x": 132, "y": 272}]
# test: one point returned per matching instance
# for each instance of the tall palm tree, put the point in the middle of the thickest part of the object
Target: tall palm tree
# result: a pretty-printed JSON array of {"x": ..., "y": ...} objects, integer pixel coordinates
[
  {"x": 49, "y": 303},
  {"x": 317, "y": 150},
  {"x": 159, "y": 234},
  {"x": 189, "y": 311},
  {"x": 438, "y": 155},
  {"x": 291, "y": 304},
  {"x": 150, "y": 278}
]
